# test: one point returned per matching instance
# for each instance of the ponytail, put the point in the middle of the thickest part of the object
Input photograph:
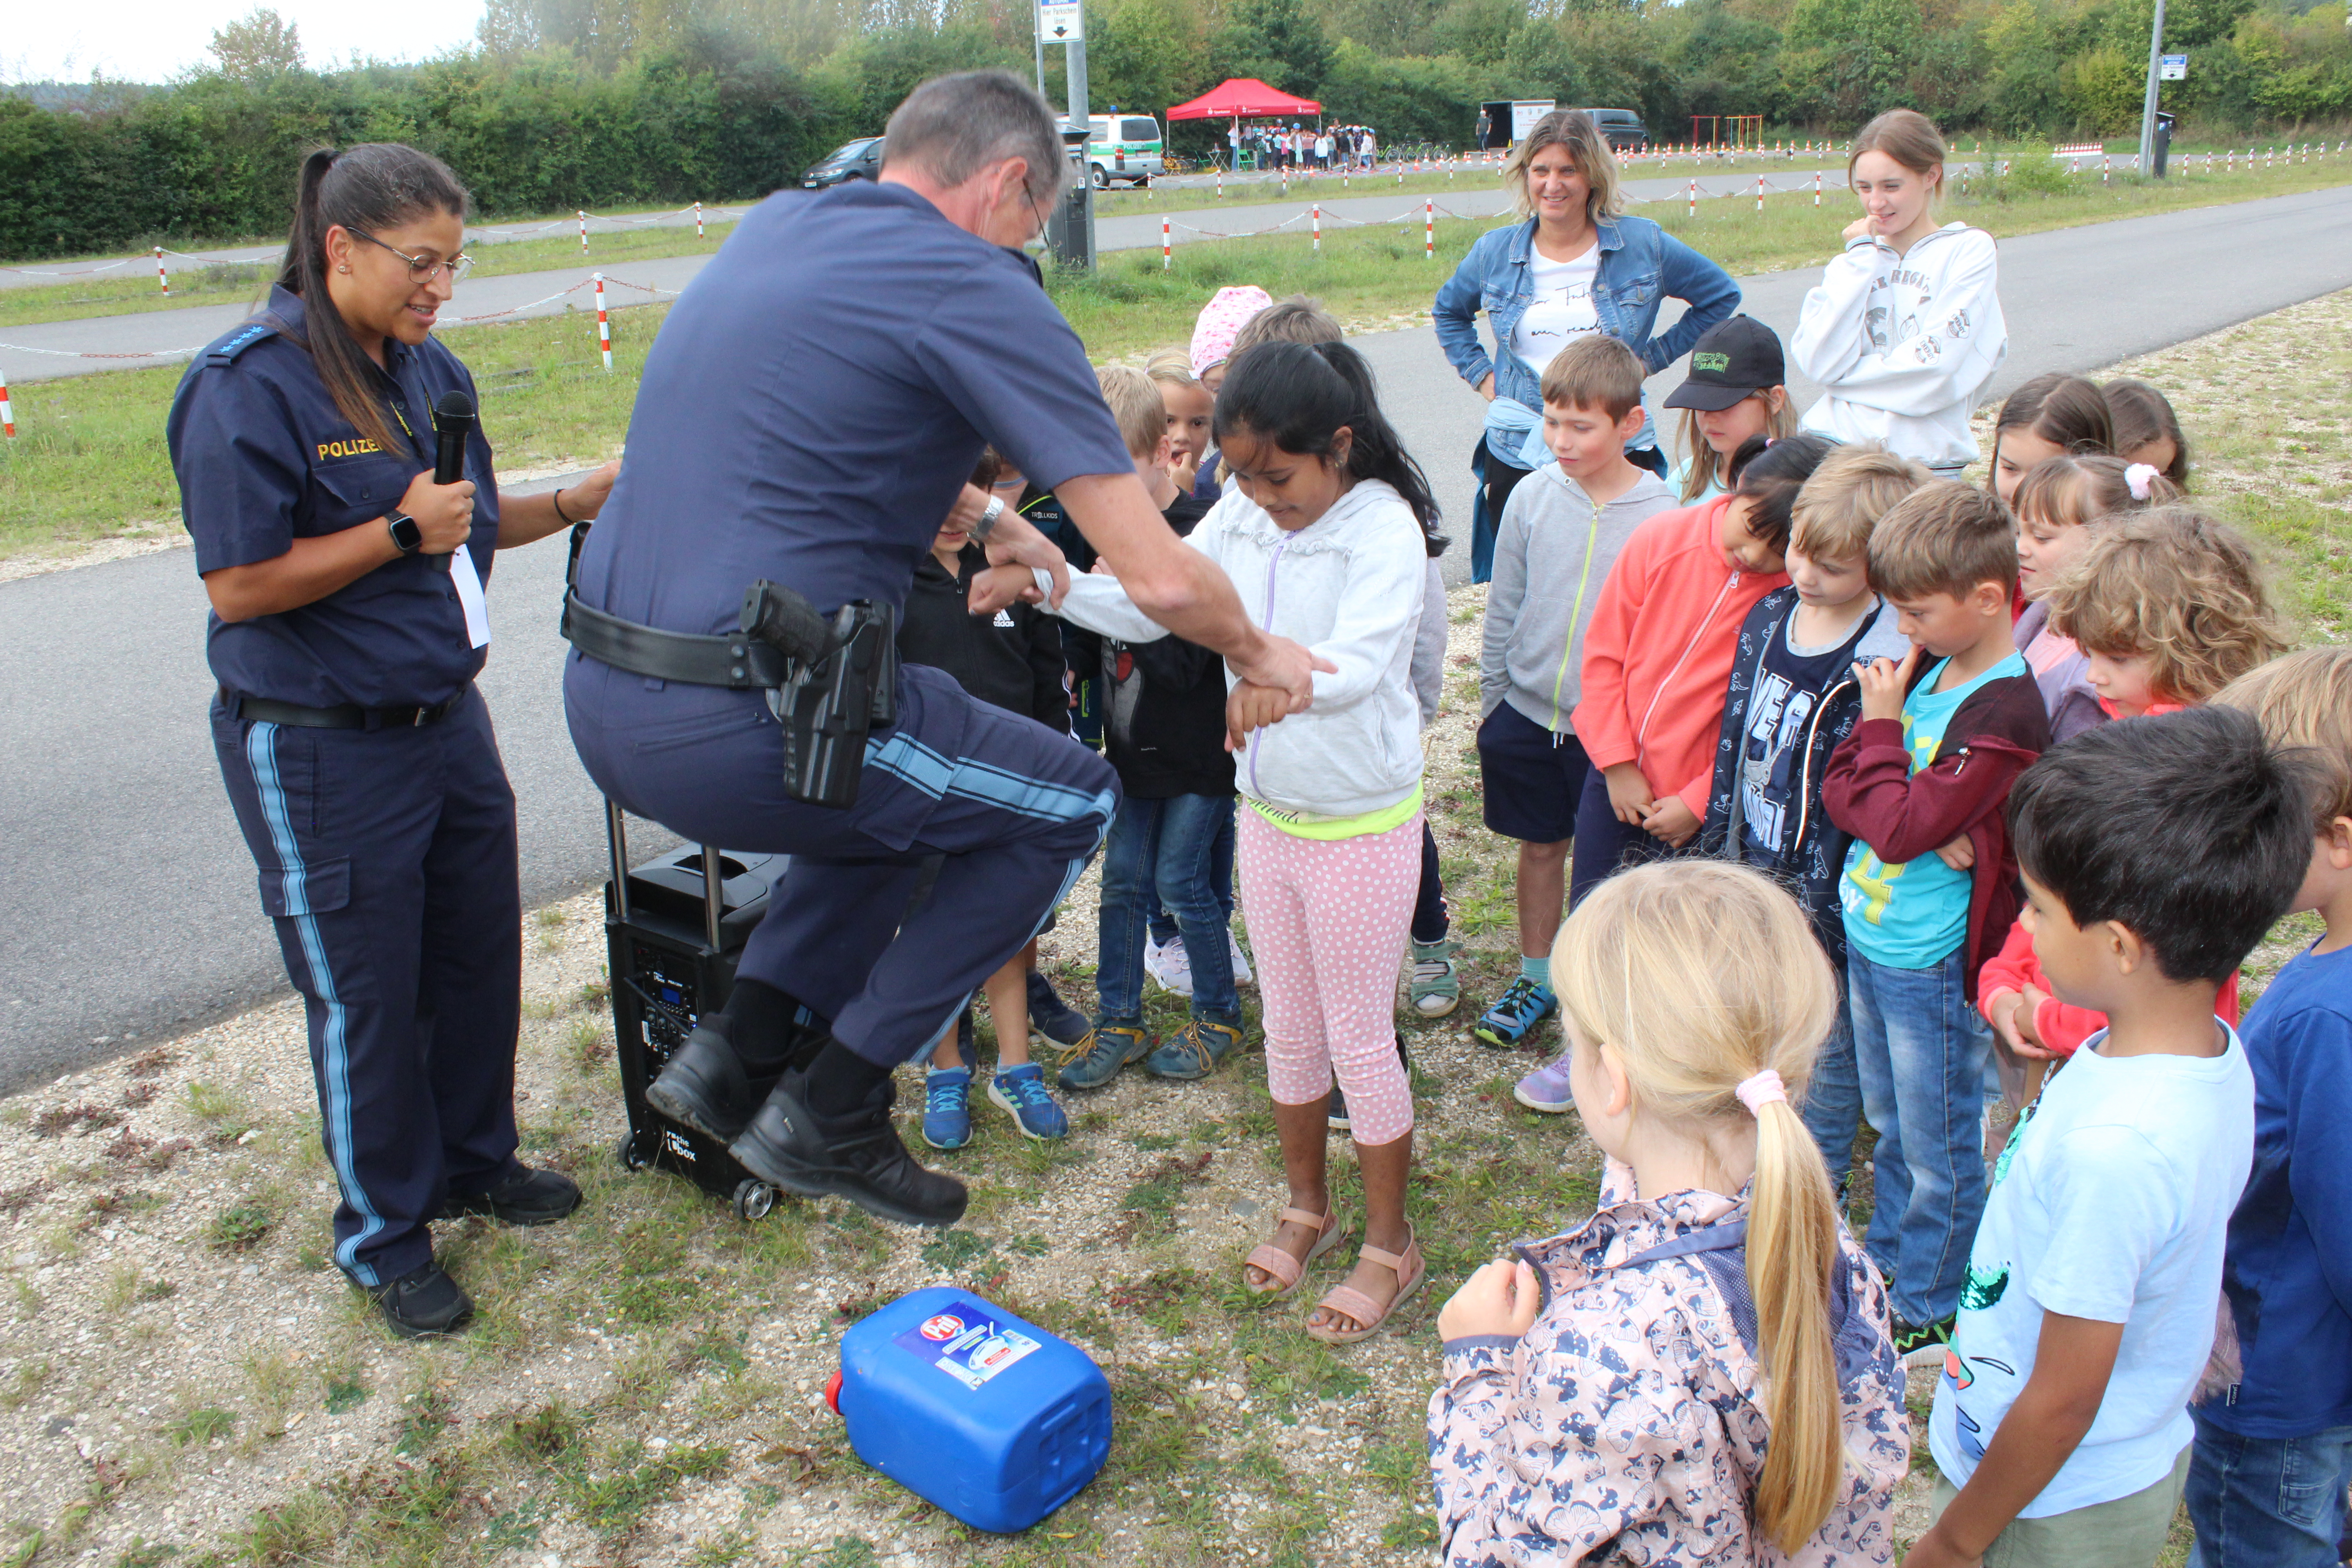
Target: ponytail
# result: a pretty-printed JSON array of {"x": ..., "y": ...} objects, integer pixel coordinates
[
  {"x": 380, "y": 185},
  {"x": 1716, "y": 1034},
  {"x": 1792, "y": 1245},
  {"x": 1301, "y": 396}
]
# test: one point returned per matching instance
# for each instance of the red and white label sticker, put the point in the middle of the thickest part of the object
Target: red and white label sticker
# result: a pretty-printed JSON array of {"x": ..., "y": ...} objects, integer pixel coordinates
[{"x": 946, "y": 1326}]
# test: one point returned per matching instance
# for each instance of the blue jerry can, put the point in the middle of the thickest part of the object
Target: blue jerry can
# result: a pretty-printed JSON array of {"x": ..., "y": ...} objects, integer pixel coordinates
[{"x": 992, "y": 1419}]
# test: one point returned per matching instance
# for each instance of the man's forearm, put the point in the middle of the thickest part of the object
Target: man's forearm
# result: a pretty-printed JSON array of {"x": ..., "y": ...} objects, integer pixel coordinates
[{"x": 1208, "y": 611}]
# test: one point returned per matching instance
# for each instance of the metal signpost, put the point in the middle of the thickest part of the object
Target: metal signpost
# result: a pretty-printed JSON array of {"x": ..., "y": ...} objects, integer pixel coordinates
[
  {"x": 1070, "y": 229},
  {"x": 2147, "y": 103}
]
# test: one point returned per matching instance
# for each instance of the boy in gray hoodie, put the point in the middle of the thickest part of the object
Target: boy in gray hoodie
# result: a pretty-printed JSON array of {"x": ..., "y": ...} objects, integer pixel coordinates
[{"x": 1560, "y": 534}]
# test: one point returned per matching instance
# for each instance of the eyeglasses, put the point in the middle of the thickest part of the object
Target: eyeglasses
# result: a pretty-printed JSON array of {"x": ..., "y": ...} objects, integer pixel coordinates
[{"x": 419, "y": 269}]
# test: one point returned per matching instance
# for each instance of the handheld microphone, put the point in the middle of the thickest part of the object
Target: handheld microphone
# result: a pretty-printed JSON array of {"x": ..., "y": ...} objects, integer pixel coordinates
[{"x": 453, "y": 422}]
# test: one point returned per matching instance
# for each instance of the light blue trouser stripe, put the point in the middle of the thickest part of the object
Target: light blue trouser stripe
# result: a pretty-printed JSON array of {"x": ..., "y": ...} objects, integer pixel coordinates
[
  {"x": 904, "y": 757},
  {"x": 260, "y": 754}
]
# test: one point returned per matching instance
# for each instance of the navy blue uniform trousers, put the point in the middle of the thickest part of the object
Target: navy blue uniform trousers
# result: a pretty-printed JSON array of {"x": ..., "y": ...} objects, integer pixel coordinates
[
  {"x": 388, "y": 864},
  {"x": 1016, "y": 809}
]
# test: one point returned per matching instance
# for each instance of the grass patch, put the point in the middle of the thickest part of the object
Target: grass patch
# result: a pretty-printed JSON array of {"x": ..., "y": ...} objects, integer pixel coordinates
[
  {"x": 201, "y": 1426},
  {"x": 242, "y": 1226}
]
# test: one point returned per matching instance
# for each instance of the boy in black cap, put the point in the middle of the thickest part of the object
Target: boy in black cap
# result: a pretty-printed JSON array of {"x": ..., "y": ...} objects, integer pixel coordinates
[{"x": 1734, "y": 393}]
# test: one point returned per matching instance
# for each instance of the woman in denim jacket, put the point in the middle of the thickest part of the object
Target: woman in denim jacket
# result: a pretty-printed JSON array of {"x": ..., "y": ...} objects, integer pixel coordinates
[{"x": 1576, "y": 265}]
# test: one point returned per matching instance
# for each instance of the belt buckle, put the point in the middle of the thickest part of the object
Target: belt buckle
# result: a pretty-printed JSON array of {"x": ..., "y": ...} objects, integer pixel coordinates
[{"x": 417, "y": 722}]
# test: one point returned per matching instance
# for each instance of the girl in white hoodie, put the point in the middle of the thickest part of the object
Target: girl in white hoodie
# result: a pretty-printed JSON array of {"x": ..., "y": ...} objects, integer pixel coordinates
[
  {"x": 1906, "y": 327},
  {"x": 1326, "y": 532}
]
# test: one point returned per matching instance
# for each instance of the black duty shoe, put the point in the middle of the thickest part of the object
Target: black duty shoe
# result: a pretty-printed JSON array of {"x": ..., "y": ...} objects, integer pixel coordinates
[
  {"x": 857, "y": 1157},
  {"x": 704, "y": 1085},
  {"x": 526, "y": 1197},
  {"x": 1052, "y": 1017},
  {"x": 423, "y": 1303}
]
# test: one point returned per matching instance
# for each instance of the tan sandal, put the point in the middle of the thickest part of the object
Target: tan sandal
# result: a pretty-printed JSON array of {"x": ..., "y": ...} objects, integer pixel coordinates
[
  {"x": 1349, "y": 1302},
  {"x": 1286, "y": 1270}
]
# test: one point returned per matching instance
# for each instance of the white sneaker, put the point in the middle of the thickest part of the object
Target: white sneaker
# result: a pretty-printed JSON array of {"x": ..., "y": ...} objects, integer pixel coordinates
[
  {"x": 1171, "y": 966},
  {"x": 1241, "y": 960}
]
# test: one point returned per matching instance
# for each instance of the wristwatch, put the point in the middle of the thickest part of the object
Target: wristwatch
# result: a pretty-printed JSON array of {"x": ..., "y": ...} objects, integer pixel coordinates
[
  {"x": 988, "y": 515},
  {"x": 408, "y": 533}
]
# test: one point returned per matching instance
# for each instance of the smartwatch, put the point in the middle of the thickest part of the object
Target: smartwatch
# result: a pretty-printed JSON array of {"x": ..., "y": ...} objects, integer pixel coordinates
[
  {"x": 408, "y": 533},
  {"x": 988, "y": 515}
]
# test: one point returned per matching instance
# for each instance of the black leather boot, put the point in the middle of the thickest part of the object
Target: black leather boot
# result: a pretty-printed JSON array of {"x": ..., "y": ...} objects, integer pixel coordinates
[
  {"x": 858, "y": 1157},
  {"x": 704, "y": 1085}
]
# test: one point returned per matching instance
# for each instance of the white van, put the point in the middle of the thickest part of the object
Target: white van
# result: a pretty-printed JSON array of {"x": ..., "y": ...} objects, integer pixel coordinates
[{"x": 1124, "y": 147}]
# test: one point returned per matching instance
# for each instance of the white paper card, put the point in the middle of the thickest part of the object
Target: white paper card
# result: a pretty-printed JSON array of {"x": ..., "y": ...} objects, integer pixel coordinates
[{"x": 469, "y": 597}]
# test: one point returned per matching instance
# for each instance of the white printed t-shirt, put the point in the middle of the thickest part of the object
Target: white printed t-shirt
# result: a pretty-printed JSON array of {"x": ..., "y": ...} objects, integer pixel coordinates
[
  {"x": 2112, "y": 1202},
  {"x": 1561, "y": 311}
]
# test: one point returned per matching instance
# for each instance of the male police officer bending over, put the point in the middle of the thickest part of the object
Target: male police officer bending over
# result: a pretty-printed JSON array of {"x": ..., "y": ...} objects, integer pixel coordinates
[{"x": 807, "y": 416}]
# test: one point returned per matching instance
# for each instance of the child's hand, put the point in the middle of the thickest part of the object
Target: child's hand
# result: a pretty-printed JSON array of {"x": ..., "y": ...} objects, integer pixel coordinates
[
  {"x": 997, "y": 586},
  {"x": 1960, "y": 853},
  {"x": 1671, "y": 820},
  {"x": 1629, "y": 794},
  {"x": 1883, "y": 682},
  {"x": 1858, "y": 227},
  {"x": 2013, "y": 1020},
  {"x": 1251, "y": 706},
  {"x": 1500, "y": 1298},
  {"x": 1930, "y": 1551}
]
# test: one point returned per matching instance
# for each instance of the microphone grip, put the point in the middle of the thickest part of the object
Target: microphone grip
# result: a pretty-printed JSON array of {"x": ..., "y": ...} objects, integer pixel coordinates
[{"x": 449, "y": 455}]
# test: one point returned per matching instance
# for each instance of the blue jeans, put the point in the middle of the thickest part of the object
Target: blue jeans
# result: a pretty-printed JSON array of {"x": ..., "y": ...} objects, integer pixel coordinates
[
  {"x": 2267, "y": 1502},
  {"x": 1221, "y": 879},
  {"x": 1832, "y": 1108},
  {"x": 1920, "y": 1050},
  {"x": 1168, "y": 846}
]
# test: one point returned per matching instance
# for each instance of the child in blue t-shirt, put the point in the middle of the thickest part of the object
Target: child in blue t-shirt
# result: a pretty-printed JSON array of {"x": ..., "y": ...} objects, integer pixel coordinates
[
  {"x": 2061, "y": 1426},
  {"x": 1929, "y": 889},
  {"x": 2274, "y": 1451}
]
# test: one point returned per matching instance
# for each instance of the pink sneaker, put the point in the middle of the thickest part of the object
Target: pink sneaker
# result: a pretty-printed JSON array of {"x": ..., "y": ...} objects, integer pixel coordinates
[{"x": 1546, "y": 1089}]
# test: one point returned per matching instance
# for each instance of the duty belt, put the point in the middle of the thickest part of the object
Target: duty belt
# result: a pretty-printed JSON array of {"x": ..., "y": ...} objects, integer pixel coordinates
[
  {"x": 344, "y": 716},
  {"x": 737, "y": 660}
]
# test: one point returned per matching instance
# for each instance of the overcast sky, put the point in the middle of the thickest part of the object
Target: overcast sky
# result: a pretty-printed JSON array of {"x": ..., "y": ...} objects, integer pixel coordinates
[{"x": 150, "y": 40}]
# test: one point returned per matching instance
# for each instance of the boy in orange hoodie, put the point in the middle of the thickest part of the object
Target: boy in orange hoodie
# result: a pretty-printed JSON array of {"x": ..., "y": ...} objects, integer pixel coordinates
[{"x": 1658, "y": 653}]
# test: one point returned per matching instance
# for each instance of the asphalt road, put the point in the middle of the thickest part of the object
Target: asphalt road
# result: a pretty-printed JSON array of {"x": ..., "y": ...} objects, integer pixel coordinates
[
  {"x": 42, "y": 351},
  {"x": 132, "y": 910}
]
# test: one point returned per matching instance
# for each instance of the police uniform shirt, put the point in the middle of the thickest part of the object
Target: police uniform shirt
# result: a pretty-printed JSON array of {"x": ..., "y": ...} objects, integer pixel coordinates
[
  {"x": 817, "y": 398},
  {"x": 264, "y": 457}
]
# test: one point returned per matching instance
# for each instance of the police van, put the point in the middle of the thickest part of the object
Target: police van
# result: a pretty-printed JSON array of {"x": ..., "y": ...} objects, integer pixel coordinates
[{"x": 1124, "y": 147}]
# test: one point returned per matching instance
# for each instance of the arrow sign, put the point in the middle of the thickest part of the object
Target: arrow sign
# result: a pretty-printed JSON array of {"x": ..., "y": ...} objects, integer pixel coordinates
[{"x": 1061, "y": 21}]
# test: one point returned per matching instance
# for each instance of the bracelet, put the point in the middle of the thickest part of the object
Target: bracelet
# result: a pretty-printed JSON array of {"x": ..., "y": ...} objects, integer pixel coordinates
[{"x": 556, "y": 500}]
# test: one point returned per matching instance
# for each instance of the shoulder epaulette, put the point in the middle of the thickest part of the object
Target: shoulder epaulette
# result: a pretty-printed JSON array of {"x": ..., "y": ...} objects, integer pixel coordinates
[{"x": 226, "y": 352}]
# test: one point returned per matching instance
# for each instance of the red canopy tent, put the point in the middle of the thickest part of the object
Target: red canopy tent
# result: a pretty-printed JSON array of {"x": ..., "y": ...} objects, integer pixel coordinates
[{"x": 1243, "y": 98}]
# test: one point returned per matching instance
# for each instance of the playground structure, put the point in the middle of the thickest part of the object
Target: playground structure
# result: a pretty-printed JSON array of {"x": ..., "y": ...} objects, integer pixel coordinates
[{"x": 1747, "y": 131}]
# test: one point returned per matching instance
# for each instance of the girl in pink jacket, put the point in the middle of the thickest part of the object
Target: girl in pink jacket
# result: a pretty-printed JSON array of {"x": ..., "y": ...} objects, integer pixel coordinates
[{"x": 1702, "y": 1372}]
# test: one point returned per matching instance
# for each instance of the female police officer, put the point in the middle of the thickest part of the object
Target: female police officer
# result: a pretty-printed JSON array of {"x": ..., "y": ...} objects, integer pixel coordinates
[{"x": 347, "y": 628}]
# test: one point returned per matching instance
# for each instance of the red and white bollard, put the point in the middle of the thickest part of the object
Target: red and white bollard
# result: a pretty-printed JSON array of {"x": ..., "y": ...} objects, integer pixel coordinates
[
  {"x": 1167, "y": 248},
  {"x": 1221, "y": 182},
  {"x": 1429, "y": 230},
  {"x": 698, "y": 220},
  {"x": 1760, "y": 193},
  {"x": 1319, "y": 225},
  {"x": 161, "y": 275},
  {"x": 1694, "y": 199},
  {"x": 2106, "y": 167},
  {"x": 1817, "y": 187},
  {"x": 604, "y": 324},
  {"x": 583, "y": 234},
  {"x": 7, "y": 413}
]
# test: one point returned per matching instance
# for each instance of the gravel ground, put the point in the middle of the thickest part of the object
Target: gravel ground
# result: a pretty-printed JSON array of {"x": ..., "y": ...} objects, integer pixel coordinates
[{"x": 183, "y": 1375}]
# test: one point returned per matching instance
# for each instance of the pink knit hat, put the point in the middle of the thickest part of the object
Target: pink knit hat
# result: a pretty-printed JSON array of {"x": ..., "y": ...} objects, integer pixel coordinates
[{"x": 1221, "y": 319}]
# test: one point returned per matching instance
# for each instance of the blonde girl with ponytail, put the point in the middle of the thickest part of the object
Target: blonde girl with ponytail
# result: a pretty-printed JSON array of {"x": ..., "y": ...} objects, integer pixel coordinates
[{"x": 1705, "y": 1365}]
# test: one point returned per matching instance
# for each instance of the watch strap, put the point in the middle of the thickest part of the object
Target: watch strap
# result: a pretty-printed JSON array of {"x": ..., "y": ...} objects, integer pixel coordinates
[{"x": 988, "y": 515}]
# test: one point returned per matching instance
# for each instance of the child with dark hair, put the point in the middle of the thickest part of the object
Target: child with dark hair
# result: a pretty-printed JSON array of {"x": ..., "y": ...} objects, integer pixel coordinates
[
  {"x": 1325, "y": 533},
  {"x": 2048, "y": 417},
  {"x": 1929, "y": 888},
  {"x": 2273, "y": 1450},
  {"x": 2148, "y": 430},
  {"x": 1013, "y": 660},
  {"x": 2061, "y": 1427}
]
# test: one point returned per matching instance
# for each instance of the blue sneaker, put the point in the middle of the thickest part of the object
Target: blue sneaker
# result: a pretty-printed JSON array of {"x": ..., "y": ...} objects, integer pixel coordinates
[
  {"x": 1052, "y": 1017},
  {"x": 1107, "y": 1049},
  {"x": 1022, "y": 1091},
  {"x": 947, "y": 1107},
  {"x": 1194, "y": 1051},
  {"x": 1522, "y": 1005}
]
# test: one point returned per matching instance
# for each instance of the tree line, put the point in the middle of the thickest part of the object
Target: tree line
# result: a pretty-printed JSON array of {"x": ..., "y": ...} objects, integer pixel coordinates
[{"x": 570, "y": 104}]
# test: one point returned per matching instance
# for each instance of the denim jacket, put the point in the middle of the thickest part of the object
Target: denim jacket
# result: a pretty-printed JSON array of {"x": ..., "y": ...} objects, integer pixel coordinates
[{"x": 1640, "y": 264}]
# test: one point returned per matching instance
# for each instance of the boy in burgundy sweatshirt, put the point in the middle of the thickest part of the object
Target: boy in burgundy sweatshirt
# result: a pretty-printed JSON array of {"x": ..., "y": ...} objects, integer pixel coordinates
[{"x": 1930, "y": 883}]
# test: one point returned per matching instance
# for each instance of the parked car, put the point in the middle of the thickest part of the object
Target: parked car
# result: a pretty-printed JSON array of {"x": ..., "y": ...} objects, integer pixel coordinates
[
  {"x": 1123, "y": 147},
  {"x": 858, "y": 159},
  {"x": 1622, "y": 126}
]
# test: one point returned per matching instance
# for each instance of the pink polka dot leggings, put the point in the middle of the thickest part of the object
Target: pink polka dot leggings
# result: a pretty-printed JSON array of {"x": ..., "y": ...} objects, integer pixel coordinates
[{"x": 1327, "y": 923}]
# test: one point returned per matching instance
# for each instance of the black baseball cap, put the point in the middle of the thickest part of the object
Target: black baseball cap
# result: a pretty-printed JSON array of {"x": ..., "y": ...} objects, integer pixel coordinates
[{"x": 1731, "y": 360}]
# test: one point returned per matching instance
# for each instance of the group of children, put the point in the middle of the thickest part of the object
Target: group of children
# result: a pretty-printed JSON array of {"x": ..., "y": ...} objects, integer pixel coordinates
[{"x": 1867, "y": 795}]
